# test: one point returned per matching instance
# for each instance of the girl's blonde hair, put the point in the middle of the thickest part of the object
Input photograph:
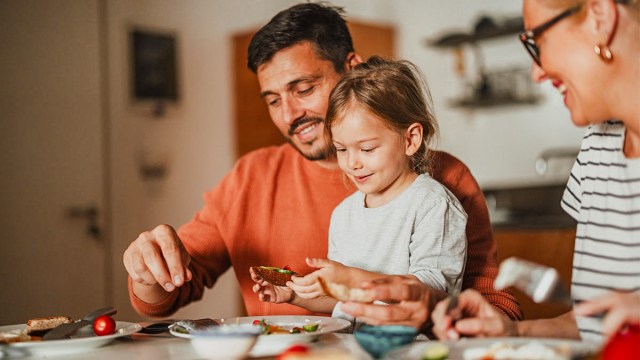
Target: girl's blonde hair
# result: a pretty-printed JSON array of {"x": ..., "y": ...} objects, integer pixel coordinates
[{"x": 396, "y": 92}]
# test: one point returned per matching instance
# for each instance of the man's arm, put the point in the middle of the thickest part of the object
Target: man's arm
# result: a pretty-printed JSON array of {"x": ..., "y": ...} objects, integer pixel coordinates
[{"x": 481, "y": 267}]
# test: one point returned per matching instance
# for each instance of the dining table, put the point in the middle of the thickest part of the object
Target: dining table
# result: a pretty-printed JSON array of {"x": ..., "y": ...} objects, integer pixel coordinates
[{"x": 166, "y": 346}]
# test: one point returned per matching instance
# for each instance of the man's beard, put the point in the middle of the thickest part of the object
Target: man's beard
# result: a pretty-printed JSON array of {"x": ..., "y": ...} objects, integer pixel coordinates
[{"x": 323, "y": 153}]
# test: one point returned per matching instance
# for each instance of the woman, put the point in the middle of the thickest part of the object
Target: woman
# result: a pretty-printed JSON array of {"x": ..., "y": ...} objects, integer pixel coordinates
[{"x": 590, "y": 51}]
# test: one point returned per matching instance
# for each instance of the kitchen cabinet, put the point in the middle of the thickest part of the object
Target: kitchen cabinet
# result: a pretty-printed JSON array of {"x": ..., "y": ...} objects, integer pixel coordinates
[{"x": 547, "y": 246}]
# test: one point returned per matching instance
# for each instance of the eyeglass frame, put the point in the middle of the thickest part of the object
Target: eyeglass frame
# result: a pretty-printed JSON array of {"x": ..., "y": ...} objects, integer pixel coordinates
[{"x": 528, "y": 38}]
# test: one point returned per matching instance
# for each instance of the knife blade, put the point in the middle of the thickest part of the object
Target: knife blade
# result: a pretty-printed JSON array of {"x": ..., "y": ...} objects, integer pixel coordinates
[{"x": 65, "y": 331}]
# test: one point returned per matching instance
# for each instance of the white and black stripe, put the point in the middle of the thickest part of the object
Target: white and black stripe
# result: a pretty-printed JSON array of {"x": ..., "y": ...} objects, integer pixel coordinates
[{"x": 603, "y": 195}]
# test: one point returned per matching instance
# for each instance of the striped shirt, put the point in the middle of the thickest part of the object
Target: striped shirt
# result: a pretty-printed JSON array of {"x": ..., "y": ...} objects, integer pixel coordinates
[{"x": 603, "y": 195}]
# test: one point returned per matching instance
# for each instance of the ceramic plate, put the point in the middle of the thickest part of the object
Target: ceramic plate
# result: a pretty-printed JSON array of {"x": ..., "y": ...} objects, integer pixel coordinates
[
  {"x": 573, "y": 348},
  {"x": 269, "y": 345},
  {"x": 83, "y": 340}
]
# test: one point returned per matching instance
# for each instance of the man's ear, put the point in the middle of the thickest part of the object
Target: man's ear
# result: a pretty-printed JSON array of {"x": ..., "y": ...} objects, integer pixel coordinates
[
  {"x": 603, "y": 17},
  {"x": 413, "y": 138},
  {"x": 353, "y": 59}
]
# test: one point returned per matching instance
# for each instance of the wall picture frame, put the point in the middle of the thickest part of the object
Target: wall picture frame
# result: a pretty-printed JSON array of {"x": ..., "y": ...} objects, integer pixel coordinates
[{"x": 154, "y": 65}]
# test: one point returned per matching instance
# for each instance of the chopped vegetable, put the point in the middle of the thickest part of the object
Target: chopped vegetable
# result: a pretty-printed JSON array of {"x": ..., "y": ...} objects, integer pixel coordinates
[
  {"x": 436, "y": 352},
  {"x": 267, "y": 329},
  {"x": 310, "y": 327}
]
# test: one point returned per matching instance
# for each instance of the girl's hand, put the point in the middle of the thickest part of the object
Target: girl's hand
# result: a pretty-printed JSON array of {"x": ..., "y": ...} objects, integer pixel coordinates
[
  {"x": 308, "y": 287},
  {"x": 268, "y": 292}
]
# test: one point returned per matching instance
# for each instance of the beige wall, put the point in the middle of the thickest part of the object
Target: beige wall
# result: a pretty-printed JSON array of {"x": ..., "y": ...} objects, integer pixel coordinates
[{"x": 195, "y": 136}]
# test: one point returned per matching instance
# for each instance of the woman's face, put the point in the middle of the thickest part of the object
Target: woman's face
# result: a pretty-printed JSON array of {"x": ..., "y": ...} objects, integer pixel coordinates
[{"x": 569, "y": 62}]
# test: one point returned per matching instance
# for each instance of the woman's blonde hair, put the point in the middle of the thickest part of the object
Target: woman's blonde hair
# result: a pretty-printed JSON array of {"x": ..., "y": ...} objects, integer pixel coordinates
[
  {"x": 565, "y": 4},
  {"x": 396, "y": 92}
]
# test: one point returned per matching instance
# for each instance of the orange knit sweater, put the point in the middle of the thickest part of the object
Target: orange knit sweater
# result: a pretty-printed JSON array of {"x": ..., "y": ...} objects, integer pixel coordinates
[{"x": 274, "y": 208}]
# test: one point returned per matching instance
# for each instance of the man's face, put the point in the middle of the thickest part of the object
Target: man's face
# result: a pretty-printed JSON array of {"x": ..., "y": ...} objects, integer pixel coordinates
[{"x": 296, "y": 85}]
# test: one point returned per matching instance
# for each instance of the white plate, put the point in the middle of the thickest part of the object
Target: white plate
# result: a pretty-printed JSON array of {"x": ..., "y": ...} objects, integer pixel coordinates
[
  {"x": 83, "y": 340},
  {"x": 269, "y": 345},
  {"x": 414, "y": 351}
]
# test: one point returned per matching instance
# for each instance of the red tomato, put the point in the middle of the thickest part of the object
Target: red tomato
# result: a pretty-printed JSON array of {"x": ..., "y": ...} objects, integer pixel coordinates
[
  {"x": 625, "y": 345},
  {"x": 256, "y": 322},
  {"x": 104, "y": 325},
  {"x": 287, "y": 267},
  {"x": 293, "y": 349}
]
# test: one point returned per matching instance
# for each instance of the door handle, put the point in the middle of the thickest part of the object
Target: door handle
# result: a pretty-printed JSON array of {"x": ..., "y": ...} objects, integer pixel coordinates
[{"x": 90, "y": 214}]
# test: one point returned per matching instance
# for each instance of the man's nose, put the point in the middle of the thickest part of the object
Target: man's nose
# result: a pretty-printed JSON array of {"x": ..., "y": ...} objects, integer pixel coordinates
[{"x": 291, "y": 110}]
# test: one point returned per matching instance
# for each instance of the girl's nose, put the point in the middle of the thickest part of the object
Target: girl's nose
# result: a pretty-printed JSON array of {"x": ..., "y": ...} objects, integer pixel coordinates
[{"x": 353, "y": 162}]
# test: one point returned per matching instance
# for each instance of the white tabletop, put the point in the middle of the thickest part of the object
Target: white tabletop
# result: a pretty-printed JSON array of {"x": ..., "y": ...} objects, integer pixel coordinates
[{"x": 166, "y": 346}]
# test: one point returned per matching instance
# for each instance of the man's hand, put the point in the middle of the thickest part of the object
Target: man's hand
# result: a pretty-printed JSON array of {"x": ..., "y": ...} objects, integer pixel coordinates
[
  {"x": 477, "y": 318},
  {"x": 157, "y": 259},
  {"x": 267, "y": 292},
  {"x": 408, "y": 302}
]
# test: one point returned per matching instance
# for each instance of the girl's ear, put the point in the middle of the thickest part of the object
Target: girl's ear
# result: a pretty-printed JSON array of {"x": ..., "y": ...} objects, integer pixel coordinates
[{"x": 413, "y": 139}]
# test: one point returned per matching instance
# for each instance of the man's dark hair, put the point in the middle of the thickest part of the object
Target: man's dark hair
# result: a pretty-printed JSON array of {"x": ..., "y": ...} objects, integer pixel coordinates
[{"x": 321, "y": 24}]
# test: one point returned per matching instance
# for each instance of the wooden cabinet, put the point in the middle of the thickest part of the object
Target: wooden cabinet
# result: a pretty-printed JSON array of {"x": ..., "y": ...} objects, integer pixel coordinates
[{"x": 550, "y": 247}]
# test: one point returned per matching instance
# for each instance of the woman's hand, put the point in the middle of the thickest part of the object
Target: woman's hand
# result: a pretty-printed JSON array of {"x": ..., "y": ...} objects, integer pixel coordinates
[
  {"x": 268, "y": 292},
  {"x": 477, "y": 318},
  {"x": 407, "y": 298},
  {"x": 622, "y": 310},
  {"x": 309, "y": 287}
]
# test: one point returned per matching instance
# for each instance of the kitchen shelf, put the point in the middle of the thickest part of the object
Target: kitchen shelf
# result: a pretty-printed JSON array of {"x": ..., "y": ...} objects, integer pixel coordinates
[{"x": 486, "y": 28}]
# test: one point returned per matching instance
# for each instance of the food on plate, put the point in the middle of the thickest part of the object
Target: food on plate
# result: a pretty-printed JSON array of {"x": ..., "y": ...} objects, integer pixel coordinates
[
  {"x": 40, "y": 326},
  {"x": 104, "y": 325},
  {"x": 268, "y": 329},
  {"x": 342, "y": 292},
  {"x": 190, "y": 326},
  {"x": 274, "y": 275},
  {"x": 13, "y": 336},
  {"x": 533, "y": 350},
  {"x": 436, "y": 351},
  {"x": 34, "y": 330}
]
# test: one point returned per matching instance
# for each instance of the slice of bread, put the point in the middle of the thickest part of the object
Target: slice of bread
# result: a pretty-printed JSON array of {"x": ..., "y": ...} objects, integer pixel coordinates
[
  {"x": 342, "y": 292},
  {"x": 273, "y": 276},
  {"x": 40, "y": 326}
]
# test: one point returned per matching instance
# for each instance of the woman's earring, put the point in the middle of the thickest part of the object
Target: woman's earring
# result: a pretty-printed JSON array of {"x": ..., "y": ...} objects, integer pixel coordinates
[{"x": 603, "y": 52}]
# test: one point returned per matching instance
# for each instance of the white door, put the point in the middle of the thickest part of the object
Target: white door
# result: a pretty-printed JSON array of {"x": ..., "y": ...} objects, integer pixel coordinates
[{"x": 50, "y": 160}]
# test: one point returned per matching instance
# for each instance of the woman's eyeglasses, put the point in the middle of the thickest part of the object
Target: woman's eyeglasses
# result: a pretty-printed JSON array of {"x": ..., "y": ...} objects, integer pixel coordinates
[{"x": 528, "y": 38}]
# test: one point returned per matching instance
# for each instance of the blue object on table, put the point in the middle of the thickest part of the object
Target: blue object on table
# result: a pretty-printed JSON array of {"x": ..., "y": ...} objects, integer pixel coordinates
[{"x": 378, "y": 340}]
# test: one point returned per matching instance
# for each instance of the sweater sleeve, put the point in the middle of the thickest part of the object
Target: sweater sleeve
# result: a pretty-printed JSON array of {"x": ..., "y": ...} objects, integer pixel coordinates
[{"x": 481, "y": 268}]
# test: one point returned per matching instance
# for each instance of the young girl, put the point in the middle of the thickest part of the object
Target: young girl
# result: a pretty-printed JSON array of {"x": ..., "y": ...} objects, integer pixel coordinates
[{"x": 401, "y": 221}]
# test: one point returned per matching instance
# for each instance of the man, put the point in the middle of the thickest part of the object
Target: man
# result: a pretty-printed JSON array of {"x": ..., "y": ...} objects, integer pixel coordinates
[{"x": 274, "y": 207}]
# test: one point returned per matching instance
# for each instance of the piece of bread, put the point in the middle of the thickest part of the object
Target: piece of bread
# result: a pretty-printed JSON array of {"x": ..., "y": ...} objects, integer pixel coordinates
[
  {"x": 342, "y": 292},
  {"x": 40, "y": 326},
  {"x": 273, "y": 276}
]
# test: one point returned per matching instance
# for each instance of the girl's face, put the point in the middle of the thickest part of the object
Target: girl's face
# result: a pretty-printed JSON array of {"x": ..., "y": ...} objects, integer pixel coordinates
[
  {"x": 569, "y": 62},
  {"x": 372, "y": 155}
]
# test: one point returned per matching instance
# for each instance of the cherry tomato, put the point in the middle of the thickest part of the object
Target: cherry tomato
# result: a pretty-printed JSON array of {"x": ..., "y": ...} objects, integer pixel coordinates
[
  {"x": 287, "y": 267},
  {"x": 104, "y": 325},
  {"x": 293, "y": 349},
  {"x": 256, "y": 322}
]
